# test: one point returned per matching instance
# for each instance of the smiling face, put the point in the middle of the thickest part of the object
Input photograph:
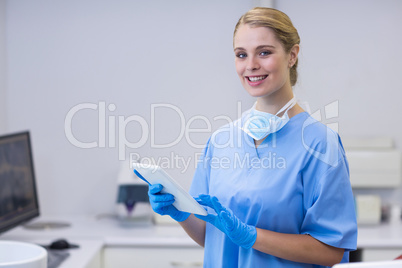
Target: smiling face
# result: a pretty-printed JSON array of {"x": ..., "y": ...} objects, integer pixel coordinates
[{"x": 261, "y": 62}]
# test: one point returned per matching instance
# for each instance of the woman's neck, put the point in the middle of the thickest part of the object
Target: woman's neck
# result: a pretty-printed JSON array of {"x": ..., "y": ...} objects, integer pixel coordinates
[{"x": 274, "y": 102}]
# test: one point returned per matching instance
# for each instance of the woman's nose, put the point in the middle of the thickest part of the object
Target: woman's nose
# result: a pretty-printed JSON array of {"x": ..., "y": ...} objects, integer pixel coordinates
[{"x": 252, "y": 65}]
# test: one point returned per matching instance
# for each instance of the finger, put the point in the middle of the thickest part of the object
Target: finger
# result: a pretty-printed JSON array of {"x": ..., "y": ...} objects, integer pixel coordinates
[
  {"x": 163, "y": 205},
  {"x": 199, "y": 201},
  {"x": 204, "y": 197},
  {"x": 227, "y": 220},
  {"x": 209, "y": 218},
  {"x": 158, "y": 198},
  {"x": 204, "y": 200},
  {"x": 217, "y": 205},
  {"x": 155, "y": 188}
]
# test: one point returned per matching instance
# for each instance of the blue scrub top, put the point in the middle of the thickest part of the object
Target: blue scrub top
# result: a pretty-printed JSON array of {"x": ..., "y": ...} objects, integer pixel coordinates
[{"x": 296, "y": 181}]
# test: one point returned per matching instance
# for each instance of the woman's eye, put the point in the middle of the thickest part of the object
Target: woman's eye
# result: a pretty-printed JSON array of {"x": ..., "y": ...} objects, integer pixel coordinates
[
  {"x": 241, "y": 55},
  {"x": 265, "y": 53}
]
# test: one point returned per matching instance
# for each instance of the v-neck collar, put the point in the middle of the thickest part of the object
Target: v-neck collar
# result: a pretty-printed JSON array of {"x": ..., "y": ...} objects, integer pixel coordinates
[{"x": 255, "y": 151}]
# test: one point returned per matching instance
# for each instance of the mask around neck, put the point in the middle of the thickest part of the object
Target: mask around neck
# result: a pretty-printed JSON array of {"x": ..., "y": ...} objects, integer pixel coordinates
[{"x": 260, "y": 124}]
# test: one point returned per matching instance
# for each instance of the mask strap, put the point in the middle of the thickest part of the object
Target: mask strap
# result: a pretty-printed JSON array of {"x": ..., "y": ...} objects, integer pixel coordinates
[{"x": 288, "y": 105}]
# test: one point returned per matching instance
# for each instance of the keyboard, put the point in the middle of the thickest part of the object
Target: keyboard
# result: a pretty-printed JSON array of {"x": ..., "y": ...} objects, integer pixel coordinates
[{"x": 56, "y": 257}]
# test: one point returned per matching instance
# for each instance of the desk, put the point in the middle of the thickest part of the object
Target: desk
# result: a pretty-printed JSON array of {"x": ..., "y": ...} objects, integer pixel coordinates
[{"x": 104, "y": 241}]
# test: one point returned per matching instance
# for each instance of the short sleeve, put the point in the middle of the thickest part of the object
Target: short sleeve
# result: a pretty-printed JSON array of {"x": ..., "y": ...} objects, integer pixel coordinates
[
  {"x": 330, "y": 215},
  {"x": 200, "y": 183}
]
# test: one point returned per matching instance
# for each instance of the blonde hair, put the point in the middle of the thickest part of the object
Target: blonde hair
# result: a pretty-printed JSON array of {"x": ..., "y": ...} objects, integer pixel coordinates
[{"x": 282, "y": 26}]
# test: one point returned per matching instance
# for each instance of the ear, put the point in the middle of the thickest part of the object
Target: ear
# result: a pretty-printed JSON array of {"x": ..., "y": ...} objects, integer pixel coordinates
[{"x": 293, "y": 54}]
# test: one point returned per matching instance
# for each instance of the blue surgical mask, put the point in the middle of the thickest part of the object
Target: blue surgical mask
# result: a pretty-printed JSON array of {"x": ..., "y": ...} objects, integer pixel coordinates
[{"x": 260, "y": 124}]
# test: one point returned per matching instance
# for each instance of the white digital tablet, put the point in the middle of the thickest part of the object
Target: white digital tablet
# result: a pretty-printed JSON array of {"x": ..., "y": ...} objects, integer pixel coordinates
[{"x": 152, "y": 174}]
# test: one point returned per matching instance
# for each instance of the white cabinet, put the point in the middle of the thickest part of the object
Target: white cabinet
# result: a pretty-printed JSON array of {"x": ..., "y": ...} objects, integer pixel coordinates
[
  {"x": 381, "y": 254},
  {"x": 96, "y": 261},
  {"x": 381, "y": 242},
  {"x": 153, "y": 257},
  {"x": 375, "y": 169}
]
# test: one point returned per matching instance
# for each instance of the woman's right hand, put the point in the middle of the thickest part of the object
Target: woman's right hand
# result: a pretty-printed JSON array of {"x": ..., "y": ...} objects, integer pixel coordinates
[{"x": 162, "y": 203}]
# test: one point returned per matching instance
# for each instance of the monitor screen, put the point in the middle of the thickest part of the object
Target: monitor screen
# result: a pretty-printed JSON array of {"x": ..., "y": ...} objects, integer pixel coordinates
[{"x": 18, "y": 196}]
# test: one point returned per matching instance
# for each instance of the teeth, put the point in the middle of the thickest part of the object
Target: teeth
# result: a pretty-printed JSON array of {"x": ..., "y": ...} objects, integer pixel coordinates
[{"x": 256, "y": 78}]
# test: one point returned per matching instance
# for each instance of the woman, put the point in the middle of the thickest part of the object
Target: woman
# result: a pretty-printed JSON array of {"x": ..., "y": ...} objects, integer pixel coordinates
[{"x": 275, "y": 182}]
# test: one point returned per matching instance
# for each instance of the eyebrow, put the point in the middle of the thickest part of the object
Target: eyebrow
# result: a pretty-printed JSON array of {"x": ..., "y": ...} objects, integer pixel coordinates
[{"x": 259, "y": 47}]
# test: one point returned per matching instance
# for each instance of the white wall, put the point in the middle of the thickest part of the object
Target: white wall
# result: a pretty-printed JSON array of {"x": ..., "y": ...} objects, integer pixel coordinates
[
  {"x": 128, "y": 53},
  {"x": 136, "y": 53},
  {"x": 350, "y": 52},
  {"x": 3, "y": 90}
]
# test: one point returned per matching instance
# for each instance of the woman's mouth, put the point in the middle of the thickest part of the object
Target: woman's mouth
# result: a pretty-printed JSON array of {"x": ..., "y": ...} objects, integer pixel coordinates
[{"x": 256, "y": 80}]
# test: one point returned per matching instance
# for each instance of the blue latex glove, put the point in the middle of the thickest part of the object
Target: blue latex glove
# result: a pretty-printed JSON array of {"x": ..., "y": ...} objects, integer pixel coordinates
[
  {"x": 161, "y": 203},
  {"x": 240, "y": 233}
]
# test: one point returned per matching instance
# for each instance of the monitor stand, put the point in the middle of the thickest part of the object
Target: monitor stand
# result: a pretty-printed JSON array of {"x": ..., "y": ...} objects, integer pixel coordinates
[{"x": 47, "y": 225}]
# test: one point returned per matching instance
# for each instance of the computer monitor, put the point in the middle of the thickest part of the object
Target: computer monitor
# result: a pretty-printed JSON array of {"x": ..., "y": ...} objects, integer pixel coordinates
[{"x": 18, "y": 195}]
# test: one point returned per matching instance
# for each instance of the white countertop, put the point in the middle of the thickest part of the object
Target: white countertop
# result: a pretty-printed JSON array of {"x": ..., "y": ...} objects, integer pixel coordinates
[
  {"x": 380, "y": 236},
  {"x": 93, "y": 234},
  {"x": 113, "y": 232},
  {"x": 109, "y": 230}
]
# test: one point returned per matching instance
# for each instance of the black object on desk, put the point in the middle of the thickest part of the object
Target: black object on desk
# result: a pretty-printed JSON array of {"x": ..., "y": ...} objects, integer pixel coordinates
[
  {"x": 57, "y": 252},
  {"x": 61, "y": 244}
]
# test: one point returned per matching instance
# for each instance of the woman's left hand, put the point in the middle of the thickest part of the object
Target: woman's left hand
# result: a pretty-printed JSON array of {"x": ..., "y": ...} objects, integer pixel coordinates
[{"x": 240, "y": 233}]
